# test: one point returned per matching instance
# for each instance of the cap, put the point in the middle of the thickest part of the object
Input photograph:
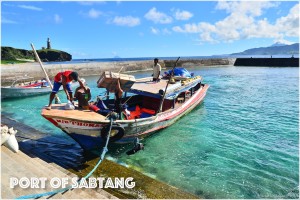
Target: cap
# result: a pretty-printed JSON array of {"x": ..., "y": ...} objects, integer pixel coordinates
[
  {"x": 82, "y": 80},
  {"x": 74, "y": 76}
]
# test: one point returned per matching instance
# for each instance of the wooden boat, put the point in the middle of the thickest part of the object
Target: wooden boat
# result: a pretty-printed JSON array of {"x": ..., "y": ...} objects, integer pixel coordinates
[
  {"x": 89, "y": 128},
  {"x": 22, "y": 87}
]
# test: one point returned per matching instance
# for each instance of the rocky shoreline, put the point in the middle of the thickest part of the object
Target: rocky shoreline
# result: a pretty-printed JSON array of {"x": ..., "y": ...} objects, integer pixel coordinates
[{"x": 10, "y": 71}]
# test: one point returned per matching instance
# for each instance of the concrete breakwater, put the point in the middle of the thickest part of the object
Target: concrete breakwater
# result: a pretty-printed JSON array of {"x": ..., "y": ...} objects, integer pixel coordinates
[
  {"x": 63, "y": 154},
  {"x": 11, "y": 71},
  {"x": 268, "y": 62},
  {"x": 200, "y": 62}
]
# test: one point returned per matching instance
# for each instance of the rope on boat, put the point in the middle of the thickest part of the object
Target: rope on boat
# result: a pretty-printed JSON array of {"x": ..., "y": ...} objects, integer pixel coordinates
[
  {"x": 126, "y": 101},
  {"x": 51, "y": 193}
]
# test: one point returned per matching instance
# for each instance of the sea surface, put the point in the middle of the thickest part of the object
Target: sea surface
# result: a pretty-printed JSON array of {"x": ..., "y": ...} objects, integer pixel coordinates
[
  {"x": 242, "y": 142},
  {"x": 117, "y": 59}
]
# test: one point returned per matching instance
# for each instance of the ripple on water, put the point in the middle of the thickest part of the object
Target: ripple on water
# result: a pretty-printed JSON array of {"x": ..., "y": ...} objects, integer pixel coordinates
[{"x": 242, "y": 142}]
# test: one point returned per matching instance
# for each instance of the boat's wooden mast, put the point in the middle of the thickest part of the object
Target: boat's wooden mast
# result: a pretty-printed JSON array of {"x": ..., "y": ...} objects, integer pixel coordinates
[
  {"x": 163, "y": 97},
  {"x": 47, "y": 77}
]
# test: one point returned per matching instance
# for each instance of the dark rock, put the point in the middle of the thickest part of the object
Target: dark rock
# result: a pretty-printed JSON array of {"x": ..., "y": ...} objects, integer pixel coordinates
[{"x": 54, "y": 55}]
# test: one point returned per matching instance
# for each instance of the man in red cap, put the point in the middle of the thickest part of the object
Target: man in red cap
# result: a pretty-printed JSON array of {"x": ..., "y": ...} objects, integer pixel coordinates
[{"x": 64, "y": 78}]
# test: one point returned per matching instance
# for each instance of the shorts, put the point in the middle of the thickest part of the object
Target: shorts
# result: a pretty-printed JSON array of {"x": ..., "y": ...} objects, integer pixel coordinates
[{"x": 57, "y": 85}]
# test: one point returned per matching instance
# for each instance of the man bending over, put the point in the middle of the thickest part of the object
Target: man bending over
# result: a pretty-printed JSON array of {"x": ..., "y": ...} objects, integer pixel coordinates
[{"x": 64, "y": 78}]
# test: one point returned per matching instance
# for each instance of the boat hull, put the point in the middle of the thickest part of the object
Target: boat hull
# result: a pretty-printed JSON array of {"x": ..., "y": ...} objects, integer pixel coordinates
[
  {"x": 18, "y": 92},
  {"x": 88, "y": 133},
  {"x": 14, "y": 92}
]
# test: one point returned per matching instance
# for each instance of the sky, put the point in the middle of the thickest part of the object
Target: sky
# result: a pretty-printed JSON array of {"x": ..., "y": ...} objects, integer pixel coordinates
[{"x": 130, "y": 29}]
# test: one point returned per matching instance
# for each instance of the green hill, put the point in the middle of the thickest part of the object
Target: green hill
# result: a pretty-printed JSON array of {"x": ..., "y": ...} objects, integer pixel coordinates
[
  {"x": 46, "y": 55},
  {"x": 10, "y": 53},
  {"x": 272, "y": 50}
]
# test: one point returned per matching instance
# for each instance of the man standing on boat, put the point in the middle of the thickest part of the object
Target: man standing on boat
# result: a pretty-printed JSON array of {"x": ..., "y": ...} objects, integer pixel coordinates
[
  {"x": 156, "y": 70},
  {"x": 64, "y": 78}
]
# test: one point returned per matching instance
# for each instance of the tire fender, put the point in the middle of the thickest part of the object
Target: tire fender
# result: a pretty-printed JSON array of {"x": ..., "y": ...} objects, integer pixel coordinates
[{"x": 117, "y": 132}]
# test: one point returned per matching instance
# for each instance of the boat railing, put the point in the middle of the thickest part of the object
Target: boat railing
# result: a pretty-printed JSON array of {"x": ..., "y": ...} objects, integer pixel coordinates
[{"x": 21, "y": 78}]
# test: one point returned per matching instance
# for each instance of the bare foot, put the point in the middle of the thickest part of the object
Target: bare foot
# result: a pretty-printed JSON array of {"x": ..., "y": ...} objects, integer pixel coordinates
[{"x": 48, "y": 107}]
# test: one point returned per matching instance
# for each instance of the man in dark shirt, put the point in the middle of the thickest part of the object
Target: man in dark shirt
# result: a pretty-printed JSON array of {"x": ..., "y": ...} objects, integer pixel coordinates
[
  {"x": 118, "y": 97},
  {"x": 83, "y": 95}
]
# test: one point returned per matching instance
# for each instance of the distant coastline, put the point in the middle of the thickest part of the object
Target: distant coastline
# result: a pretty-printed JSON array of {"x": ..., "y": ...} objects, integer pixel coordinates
[
  {"x": 88, "y": 60},
  {"x": 88, "y": 67}
]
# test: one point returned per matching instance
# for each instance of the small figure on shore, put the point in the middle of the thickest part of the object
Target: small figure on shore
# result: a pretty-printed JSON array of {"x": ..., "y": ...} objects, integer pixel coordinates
[
  {"x": 83, "y": 95},
  {"x": 156, "y": 70},
  {"x": 44, "y": 83},
  {"x": 118, "y": 97},
  {"x": 64, "y": 78}
]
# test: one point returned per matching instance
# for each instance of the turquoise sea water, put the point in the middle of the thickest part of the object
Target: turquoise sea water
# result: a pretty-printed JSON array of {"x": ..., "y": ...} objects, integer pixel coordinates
[{"x": 242, "y": 142}]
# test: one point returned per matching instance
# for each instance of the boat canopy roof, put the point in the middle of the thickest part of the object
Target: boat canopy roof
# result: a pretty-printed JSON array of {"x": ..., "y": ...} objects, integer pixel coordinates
[{"x": 146, "y": 87}]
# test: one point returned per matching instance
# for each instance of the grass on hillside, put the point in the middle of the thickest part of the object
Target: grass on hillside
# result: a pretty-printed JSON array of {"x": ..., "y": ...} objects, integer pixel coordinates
[
  {"x": 46, "y": 50},
  {"x": 6, "y": 62}
]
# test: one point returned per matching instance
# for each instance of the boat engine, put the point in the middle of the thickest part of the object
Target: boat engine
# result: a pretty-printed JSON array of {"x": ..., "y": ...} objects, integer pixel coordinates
[{"x": 137, "y": 147}]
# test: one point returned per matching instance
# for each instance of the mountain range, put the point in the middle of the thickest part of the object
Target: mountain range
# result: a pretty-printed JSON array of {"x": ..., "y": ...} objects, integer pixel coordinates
[{"x": 275, "y": 49}]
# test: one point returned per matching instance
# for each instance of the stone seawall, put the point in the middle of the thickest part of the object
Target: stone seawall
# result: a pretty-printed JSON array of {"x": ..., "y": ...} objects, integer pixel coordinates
[
  {"x": 10, "y": 71},
  {"x": 200, "y": 62},
  {"x": 268, "y": 62}
]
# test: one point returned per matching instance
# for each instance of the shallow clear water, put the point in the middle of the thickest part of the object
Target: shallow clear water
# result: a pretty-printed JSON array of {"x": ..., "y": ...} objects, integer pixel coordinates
[{"x": 242, "y": 142}]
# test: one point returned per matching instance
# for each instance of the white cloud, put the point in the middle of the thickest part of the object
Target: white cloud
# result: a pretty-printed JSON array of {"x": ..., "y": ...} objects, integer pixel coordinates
[
  {"x": 178, "y": 29},
  {"x": 282, "y": 41},
  {"x": 158, "y": 17},
  {"x": 252, "y": 8},
  {"x": 90, "y": 3},
  {"x": 188, "y": 28},
  {"x": 57, "y": 19},
  {"x": 154, "y": 30},
  {"x": 94, "y": 13},
  {"x": 157, "y": 31},
  {"x": 290, "y": 23},
  {"x": 166, "y": 31},
  {"x": 30, "y": 7},
  {"x": 242, "y": 23},
  {"x": 7, "y": 21},
  {"x": 183, "y": 15},
  {"x": 207, "y": 37},
  {"x": 126, "y": 21}
]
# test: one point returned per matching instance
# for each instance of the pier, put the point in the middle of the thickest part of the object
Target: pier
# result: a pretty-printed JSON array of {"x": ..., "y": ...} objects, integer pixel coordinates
[
  {"x": 44, "y": 156},
  {"x": 268, "y": 62},
  {"x": 19, "y": 165}
]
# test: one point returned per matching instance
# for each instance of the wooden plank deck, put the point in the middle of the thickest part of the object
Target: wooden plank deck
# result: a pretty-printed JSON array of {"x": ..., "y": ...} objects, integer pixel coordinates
[
  {"x": 147, "y": 85},
  {"x": 20, "y": 165},
  {"x": 58, "y": 110}
]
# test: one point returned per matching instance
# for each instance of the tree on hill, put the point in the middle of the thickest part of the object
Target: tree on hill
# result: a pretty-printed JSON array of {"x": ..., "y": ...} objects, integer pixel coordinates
[{"x": 46, "y": 55}]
